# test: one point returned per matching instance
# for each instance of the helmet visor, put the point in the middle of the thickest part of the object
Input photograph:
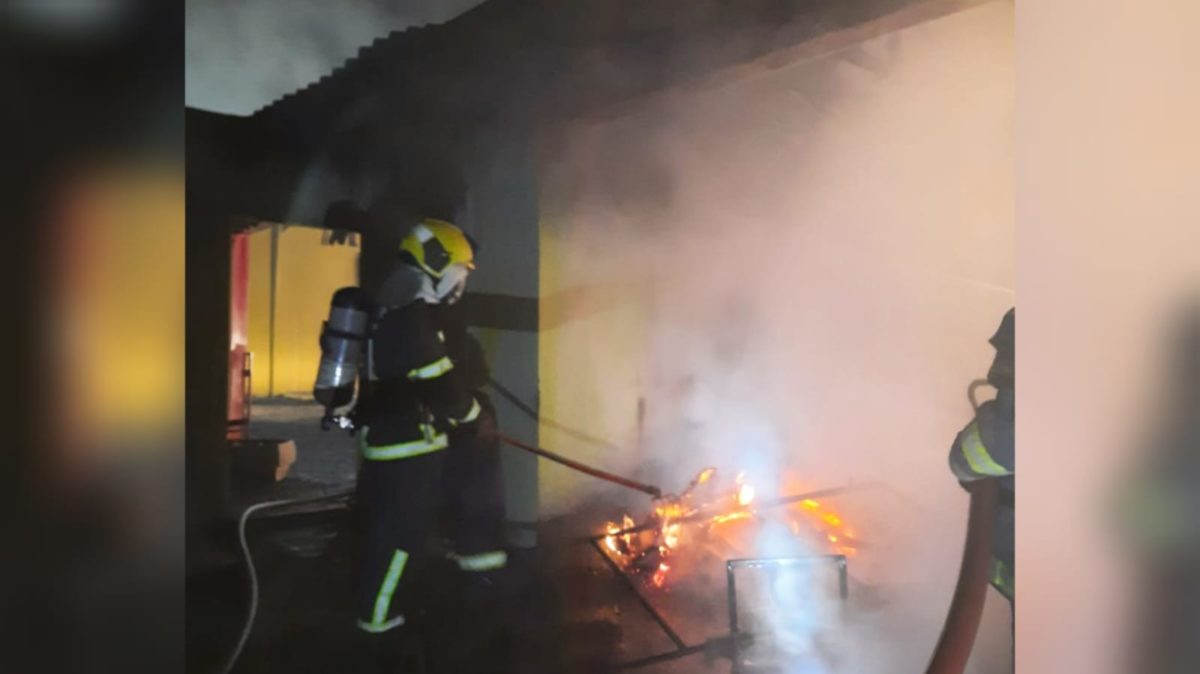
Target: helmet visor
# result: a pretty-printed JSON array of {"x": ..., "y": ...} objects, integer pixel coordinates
[{"x": 450, "y": 287}]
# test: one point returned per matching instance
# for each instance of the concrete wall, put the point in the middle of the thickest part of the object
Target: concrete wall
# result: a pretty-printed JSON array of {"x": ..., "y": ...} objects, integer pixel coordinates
[
  {"x": 307, "y": 272},
  {"x": 501, "y": 212},
  {"x": 594, "y": 328},
  {"x": 814, "y": 258}
]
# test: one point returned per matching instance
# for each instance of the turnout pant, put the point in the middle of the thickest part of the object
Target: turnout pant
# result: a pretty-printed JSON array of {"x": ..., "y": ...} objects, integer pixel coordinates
[
  {"x": 475, "y": 491},
  {"x": 400, "y": 499}
]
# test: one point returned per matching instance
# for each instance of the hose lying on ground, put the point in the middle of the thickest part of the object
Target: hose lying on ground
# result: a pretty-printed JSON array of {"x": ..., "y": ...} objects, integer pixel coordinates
[{"x": 248, "y": 625}]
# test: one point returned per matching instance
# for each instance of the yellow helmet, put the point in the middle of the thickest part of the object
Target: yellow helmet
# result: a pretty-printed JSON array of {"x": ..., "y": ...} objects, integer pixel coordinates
[{"x": 436, "y": 244}]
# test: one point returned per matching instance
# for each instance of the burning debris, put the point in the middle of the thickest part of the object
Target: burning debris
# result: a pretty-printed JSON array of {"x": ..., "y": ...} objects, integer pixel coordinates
[{"x": 646, "y": 548}]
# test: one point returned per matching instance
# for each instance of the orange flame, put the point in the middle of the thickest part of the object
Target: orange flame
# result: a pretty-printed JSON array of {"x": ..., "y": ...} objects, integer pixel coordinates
[
  {"x": 610, "y": 541},
  {"x": 745, "y": 495},
  {"x": 662, "y": 530},
  {"x": 660, "y": 574},
  {"x": 671, "y": 535},
  {"x": 730, "y": 517}
]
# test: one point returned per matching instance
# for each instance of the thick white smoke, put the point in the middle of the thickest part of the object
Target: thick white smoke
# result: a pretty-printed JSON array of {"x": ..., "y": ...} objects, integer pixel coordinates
[{"x": 819, "y": 253}]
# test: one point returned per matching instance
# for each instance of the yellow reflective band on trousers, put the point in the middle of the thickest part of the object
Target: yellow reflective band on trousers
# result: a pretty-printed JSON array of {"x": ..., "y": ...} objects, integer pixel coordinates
[
  {"x": 383, "y": 601},
  {"x": 431, "y": 441},
  {"x": 471, "y": 415},
  {"x": 379, "y": 629},
  {"x": 977, "y": 455},
  {"x": 433, "y": 370},
  {"x": 1002, "y": 579},
  {"x": 484, "y": 561}
]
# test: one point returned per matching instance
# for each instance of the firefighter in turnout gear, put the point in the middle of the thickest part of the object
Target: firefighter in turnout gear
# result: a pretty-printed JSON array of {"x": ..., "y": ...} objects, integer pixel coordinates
[
  {"x": 476, "y": 522},
  {"x": 414, "y": 406},
  {"x": 474, "y": 485},
  {"x": 984, "y": 451}
]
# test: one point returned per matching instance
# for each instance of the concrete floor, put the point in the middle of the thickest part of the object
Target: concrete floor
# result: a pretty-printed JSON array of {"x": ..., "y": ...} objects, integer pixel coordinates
[
  {"x": 567, "y": 611},
  {"x": 326, "y": 458},
  {"x": 575, "y": 614}
]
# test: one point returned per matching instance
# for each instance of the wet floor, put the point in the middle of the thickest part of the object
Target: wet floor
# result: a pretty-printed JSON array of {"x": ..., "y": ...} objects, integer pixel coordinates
[{"x": 562, "y": 609}]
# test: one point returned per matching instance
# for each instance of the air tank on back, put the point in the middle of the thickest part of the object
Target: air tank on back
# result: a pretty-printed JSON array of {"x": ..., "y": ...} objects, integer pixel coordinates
[{"x": 343, "y": 338}]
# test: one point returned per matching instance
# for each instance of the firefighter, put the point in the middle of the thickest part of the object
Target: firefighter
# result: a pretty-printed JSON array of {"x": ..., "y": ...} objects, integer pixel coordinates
[
  {"x": 413, "y": 399},
  {"x": 475, "y": 495},
  {"x": 984, "y": 451},
  {"x": 474, "y": 486}
]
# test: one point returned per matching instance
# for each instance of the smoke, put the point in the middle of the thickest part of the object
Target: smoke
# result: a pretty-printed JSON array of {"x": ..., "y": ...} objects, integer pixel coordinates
[
  {"x": 241, "y": 55},
  {"x": 819, "y": 253}
]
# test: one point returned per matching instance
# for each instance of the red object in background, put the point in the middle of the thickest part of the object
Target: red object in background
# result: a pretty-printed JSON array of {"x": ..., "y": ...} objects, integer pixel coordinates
[{"x": 238, "y": 408}]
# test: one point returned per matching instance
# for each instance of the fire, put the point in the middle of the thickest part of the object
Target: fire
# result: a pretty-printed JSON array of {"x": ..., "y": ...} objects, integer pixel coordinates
[
  {"x": 617, "y": 542},
  {"x": 671, "y": 535},
  {"x": 730, "y": 517},
  {"x": 660, "y": 575},
  {"x": 610, "y": 541},
  {"x": 745, "y": 495},
  {"x": 664, "y": 526},
  {"x": 648, "y": 550},
  {"x": 830, "y": 524}
]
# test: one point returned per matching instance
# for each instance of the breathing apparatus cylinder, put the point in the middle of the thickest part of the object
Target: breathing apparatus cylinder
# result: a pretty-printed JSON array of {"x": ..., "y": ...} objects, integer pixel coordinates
[{"x": 343, "y": 338}]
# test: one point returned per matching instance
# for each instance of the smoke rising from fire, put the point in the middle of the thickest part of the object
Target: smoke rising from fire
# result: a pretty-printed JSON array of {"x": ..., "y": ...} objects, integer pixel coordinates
[{"x": 818, "y": 255}]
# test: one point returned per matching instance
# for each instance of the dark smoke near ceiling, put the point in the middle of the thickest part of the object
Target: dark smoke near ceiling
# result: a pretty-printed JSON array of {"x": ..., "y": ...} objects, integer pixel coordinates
[{"x": 243, "y": 54}]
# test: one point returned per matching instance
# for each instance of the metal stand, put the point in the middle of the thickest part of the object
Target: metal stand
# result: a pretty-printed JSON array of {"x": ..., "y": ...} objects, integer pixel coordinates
[
  {"x": 728, "y": 645},
  {"x": 769, "y": 562}
]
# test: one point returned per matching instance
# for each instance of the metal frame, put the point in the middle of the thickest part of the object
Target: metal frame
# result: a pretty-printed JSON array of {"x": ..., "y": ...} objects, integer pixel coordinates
[
  {"x": 733, "y": 564},
  {"x": 735, "y": 634},
  {"x": 655, "y": 615},
  {"x": 727, "y": 645}
]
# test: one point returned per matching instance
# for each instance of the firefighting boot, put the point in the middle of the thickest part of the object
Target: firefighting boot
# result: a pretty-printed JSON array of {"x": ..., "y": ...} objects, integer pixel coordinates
[
  {"x": 485, "y": 616},
  {"x": 397, "y": 651}
]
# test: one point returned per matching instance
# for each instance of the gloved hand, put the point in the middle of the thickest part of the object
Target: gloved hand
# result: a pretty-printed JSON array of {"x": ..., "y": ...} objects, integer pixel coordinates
[
  {"x": 328, "y": 420},
  {"x": 346, "y": 422},
  {"x": 351, "y": 419}
]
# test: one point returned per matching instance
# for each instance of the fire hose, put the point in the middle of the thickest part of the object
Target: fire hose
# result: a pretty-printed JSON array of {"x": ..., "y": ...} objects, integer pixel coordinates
[
  {"x": 528, "y": 411},
  {"x": 957, "y": 639},
  {"x": 966, "y": 608},
  {"x": 963, "y": 619},
  {"x": 583, "y": 468},
  {"x": 252, "y": 574}
]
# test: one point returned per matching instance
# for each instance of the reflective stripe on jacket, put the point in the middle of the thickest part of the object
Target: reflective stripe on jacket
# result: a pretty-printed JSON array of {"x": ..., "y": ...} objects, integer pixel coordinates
[{"x": 415, "y": 391}]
